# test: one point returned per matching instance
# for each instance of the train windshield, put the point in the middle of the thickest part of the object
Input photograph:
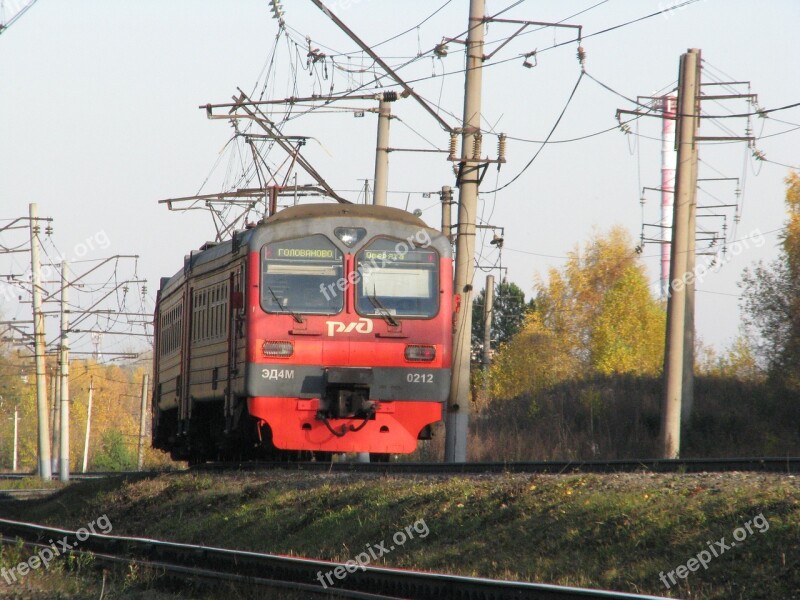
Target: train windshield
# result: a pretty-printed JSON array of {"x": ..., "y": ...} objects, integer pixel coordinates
[
  {"x": 397, "y": 280},
  {"x": 301, "y": 276}
]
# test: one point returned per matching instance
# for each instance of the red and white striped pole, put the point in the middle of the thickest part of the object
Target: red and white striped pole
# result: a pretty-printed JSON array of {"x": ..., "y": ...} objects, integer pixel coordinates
[{"x": 668, "y": 158}]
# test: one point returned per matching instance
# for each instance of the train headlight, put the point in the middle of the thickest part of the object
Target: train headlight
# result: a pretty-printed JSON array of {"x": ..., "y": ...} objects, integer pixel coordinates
[
  {"x": 419, "y": 353},
  {"x": 277, "y": 349},
  {"x": 350, "y": 236}
]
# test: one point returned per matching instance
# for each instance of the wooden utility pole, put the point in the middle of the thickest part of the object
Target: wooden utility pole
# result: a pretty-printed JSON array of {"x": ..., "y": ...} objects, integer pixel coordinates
[
  {"x": 142, "y": 419},
  {"x": 88, "y": 427},
  {"x": 63, "y": 461},
  {"x": 45, "y": 471},
  {"x": 457, "y": 416},
  {"x": 685, "y": 194}
]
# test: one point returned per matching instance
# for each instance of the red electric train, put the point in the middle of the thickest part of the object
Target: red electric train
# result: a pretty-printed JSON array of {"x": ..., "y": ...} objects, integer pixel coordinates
[{"x": 325, "y": 328}]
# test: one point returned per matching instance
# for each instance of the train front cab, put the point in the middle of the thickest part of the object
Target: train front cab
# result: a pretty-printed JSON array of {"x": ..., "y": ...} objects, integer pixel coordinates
[{"x": 349, "y": 343}]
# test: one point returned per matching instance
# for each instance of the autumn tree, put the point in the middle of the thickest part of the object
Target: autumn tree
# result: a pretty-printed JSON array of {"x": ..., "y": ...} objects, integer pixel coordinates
[
  {"x": 738, "y": 361},
  {"x": 597, "y": 314},
  {"x": 509, "y": 310},
  {"x": 531, "y": 361},
  {"x": 627, "y": 335},
  {"x": 771, "y": 299}
]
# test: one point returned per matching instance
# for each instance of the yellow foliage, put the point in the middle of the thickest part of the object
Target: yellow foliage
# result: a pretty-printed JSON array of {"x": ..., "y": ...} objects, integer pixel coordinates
[
  {"x": 532, "y": 360},
  {"x": 115, "y": 405},
  {"x": 628, "y": 333},
  {"x": 597, "y": 314},
  {"x": 791, "y": 239}
]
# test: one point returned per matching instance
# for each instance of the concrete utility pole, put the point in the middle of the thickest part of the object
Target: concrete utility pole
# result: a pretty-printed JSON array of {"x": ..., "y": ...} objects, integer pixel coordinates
[
  {"x": 45, "y": 471},
  {"x": 55, "y": 414},
  {"x": 382, "y": 149},
  {"x": 683, "y": 207},
  {"x": 488, "y": 314},
  {"x": 88, "y": 427},
  {"x": 457, "y": 417},
  {"x": 447, "y": 211},
  {"x": 16, "y": 439},
  {"x": 142, "y": 418},
  {"x": 687, "y": 402},
  {"x": 64, "y": 432}
]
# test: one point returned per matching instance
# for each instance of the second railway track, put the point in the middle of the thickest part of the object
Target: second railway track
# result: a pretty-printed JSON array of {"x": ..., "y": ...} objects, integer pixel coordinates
[
  {"x": 701, "y": 465},
  {"x": 194, "y": 562}
]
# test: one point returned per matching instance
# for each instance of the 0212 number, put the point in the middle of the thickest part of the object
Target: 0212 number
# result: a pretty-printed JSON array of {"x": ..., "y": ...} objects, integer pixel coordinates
[{"x": 419, "y": 378}]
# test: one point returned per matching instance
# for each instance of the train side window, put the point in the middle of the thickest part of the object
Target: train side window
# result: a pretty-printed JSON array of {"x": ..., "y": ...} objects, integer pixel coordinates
[{"x": 302, "y": 275}]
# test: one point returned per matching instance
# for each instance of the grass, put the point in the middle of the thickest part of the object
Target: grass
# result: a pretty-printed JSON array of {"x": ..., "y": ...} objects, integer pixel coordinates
[
  {"x": 28, "y": 483},
  {"x": 603, "y": 531}
]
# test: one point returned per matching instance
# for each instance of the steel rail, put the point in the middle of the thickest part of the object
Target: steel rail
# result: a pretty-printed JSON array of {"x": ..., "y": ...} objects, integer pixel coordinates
[
  {"x": 700, "y": 465},
  {"x": 293, "y": 571},
  {"x": 182, "y": 573},
  {"x": 29, "y": 494},
  {"x": 91, "y": 474},
  {"x": 784, "y": 465}
]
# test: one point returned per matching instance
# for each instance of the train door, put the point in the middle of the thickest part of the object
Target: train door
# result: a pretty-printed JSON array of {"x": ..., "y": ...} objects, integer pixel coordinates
[{"x": 184, "y": 395}]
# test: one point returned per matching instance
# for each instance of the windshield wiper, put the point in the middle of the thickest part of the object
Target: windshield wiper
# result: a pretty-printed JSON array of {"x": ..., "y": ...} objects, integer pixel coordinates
[
  {"x": 296, "y": 317},
  {"x": 382, "y": 310}
]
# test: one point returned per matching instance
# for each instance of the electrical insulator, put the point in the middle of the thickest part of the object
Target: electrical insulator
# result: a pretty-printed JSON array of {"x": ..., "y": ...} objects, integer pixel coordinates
[
  {"x": 501, "y": 148},
  {"x": 453, "y": 146},
  {"x": 277, "y": 11},
  {"x": 581, "y": 55},
  {"x": 447, "y": 194},
  {"x": 389, "y": 96},
  {"x": 476, "y": 145}
]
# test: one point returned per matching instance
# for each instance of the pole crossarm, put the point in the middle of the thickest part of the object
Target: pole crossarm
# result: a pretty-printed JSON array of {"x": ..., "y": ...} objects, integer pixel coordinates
[
  {"x": 524, "y": 25},
  {"x": 408, "y": 91},
  {"x": 269, "y": 127}
]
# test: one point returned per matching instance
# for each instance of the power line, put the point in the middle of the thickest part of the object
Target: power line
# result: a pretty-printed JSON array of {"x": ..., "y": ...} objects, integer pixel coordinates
[{"x": 549, "y": 135}]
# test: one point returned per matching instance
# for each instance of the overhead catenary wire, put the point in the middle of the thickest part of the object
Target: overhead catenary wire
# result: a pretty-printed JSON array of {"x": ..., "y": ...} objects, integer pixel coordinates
[{"x": 549, "y": 135}]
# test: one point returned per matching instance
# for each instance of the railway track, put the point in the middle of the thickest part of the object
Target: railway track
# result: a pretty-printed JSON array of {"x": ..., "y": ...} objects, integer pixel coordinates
[
  {"x": 205, "y": 563},
  {"x": 83, "y": 476},
  {"x": 787, "y": 466},
  {"x": 784, "y": 465},
  {"x": 31, "y": 494}
]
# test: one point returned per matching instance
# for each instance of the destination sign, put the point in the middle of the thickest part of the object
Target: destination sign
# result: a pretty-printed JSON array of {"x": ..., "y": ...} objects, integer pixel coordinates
[
  {"x": 393, "y": 256},
  {"x": 313, "y": 248},
  {"x": 304, "y": 253}
]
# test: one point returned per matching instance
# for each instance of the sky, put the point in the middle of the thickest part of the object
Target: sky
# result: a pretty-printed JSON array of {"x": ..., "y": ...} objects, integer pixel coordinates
[{"x": 100, "y": 119}]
